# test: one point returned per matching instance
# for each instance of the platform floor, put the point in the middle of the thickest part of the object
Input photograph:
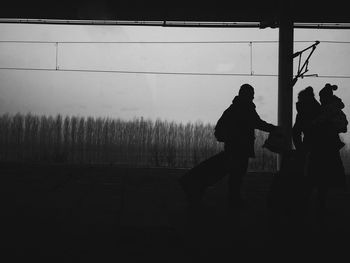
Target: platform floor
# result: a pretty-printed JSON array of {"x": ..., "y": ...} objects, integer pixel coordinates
[{"x": 56, "y": 213}]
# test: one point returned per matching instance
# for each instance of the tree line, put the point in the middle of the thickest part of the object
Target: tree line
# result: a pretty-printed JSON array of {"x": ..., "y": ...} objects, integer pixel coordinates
[{"x": 138, "y": 142}]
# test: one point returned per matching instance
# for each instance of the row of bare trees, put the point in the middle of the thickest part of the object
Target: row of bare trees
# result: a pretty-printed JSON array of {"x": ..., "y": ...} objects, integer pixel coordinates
[{"x": 140, "y": 142}]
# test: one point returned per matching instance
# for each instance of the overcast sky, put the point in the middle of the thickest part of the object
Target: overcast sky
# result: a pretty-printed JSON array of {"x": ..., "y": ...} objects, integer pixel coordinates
[{"x": 180, "y": 98}]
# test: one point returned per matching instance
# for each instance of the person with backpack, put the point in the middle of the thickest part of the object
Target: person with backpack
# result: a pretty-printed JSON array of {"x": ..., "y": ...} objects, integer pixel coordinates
[
  {"x": 326, "y": 166},
  {"x": 236, "y": 129}
]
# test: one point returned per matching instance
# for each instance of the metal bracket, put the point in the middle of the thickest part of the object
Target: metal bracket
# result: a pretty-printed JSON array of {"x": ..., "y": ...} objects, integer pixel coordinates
[{"x": 304, "y": 68}]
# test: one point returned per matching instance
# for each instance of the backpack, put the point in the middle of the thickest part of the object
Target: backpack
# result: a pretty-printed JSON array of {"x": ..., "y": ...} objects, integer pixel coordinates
[
  {"x": 221, "y": 132},
  {"x": 340, "y": 122}
]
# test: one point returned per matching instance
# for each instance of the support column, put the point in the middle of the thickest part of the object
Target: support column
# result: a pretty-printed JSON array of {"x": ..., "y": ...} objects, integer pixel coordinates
[{"x": 285, "y": 78}]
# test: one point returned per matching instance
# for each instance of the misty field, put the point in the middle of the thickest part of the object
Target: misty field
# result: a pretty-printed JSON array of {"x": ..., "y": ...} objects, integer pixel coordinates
[{"x": 137, "y": 142}]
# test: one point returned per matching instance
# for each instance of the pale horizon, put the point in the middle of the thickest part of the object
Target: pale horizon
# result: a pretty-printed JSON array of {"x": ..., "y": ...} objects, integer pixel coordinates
[{"x": 180, "y": 98}]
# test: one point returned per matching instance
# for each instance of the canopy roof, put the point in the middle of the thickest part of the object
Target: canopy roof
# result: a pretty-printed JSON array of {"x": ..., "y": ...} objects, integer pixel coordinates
[{"x": 266, "y": 11}]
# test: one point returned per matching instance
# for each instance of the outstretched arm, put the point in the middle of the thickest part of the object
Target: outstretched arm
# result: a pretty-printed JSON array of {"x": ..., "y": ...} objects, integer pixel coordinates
[{"x": 263, "y": 125}]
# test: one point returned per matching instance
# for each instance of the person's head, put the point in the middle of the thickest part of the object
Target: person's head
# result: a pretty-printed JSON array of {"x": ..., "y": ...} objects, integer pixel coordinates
[
  {"x": 326, "y": 93},
  {"x": 306, "y": 94},
  {"x": 307, "y": 103},
  {"x": 246, "y": 91}
]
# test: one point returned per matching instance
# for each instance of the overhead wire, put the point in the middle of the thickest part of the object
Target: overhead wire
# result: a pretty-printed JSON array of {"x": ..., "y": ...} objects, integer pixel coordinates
[
  {"x": 140, "y": 72},
  {"x": 167, "y": 73},
  {"x": 166, "y": 42},
  {"x": 252, "y": 74}
]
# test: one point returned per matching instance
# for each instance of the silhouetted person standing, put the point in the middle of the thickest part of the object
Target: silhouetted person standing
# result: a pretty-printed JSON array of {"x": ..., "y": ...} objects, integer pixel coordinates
[
  {"x": 308, "y": 109},
  {"x": 326, "y": 167},
  {"x": 239, "y": 142},
  {"x": 304, "y": 137}
]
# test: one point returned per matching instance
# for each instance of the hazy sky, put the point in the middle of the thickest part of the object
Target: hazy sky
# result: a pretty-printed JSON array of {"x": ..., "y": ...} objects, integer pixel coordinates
[{"x": 173, "y": 97}]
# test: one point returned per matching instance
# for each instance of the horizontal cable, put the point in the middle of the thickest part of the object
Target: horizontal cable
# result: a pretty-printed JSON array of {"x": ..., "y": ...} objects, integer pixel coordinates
[
  {"x": 140, "y": 72},
  {"x": 331, "y": 76},
  {"x": 138, "y": 42},
  {"x": 164, "y": 42},
  {"x": 167, "y": 73},
  {"x": 335, "y": 42}
]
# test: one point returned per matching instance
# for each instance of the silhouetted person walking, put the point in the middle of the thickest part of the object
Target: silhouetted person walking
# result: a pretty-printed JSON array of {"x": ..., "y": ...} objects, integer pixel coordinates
[
  {"x": 241, "y": 120},
  {"x": 236, "y": 128}
]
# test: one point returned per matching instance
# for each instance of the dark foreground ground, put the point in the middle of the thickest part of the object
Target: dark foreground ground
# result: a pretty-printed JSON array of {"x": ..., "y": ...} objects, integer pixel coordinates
[{"x": 120, "y": 214}]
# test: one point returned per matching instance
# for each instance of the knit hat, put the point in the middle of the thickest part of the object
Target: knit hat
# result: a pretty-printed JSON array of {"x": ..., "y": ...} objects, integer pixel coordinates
[{"x": 327, "y": 90}]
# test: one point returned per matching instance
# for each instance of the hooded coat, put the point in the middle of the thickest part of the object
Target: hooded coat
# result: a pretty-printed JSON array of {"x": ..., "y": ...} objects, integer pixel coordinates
[
  {"x": 303, "y": 131},
  {"x": 242, "y": 122}
]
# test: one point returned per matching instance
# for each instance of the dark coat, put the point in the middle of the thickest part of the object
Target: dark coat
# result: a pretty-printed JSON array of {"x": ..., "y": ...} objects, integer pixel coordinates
[
  {"x": 243, "y": 120},
  {"x": 303, "y": 131},
  {"x": 326, "y": 166},
  {"x": 326, "y": 129},
  {"x": 326, "y": 169}
]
